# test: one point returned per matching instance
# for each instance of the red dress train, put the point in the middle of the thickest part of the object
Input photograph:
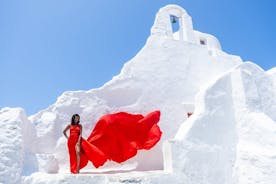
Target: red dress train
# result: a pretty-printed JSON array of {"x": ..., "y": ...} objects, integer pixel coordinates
[{"x": 115, "y": 137}]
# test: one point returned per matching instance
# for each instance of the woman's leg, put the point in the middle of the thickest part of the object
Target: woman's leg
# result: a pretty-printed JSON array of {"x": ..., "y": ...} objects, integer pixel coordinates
[{"x": 78, "y": 157}]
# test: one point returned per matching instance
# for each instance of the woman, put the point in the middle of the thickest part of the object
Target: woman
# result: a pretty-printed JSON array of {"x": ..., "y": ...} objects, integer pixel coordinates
[
  {"x": 74, "y": 142},
  {"x": 115, "y": 137}
]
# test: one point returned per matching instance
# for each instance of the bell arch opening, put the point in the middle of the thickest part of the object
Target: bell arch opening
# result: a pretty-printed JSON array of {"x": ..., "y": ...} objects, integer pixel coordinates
[{"x": 175, "y": 26}]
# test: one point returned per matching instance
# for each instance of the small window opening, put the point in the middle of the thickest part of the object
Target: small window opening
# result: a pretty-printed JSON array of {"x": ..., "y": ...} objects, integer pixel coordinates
[{"x": 203, "y": 42}]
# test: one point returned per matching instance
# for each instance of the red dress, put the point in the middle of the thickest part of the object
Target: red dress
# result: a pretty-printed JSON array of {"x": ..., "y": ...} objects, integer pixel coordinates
[{"x": 115, "y": 137}]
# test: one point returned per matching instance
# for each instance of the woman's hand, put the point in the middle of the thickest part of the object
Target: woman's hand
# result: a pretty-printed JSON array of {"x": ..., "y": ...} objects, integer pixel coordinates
[
  {"x": 65, "y": 130},
  {"x": 79, "y": 140}
]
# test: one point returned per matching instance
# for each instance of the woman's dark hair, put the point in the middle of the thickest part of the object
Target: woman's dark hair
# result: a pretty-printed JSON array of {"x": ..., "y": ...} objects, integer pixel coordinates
[{"x": 72, "y": 119}]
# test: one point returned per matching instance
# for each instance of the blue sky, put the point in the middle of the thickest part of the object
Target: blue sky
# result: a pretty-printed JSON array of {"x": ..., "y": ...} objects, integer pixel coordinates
[{"x": 49, "y": 46}]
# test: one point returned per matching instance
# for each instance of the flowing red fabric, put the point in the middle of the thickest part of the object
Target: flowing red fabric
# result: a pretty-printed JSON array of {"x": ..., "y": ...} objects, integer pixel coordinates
[{"x": 115, "y": 137}]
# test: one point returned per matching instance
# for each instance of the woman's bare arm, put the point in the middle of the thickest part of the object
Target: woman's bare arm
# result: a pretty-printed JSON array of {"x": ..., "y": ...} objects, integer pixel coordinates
[{"x": 65, "y": 130}]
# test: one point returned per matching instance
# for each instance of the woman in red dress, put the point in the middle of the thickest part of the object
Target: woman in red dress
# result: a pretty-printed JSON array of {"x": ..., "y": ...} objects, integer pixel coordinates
[
  {"x": 74, "y": 142},
  {"x": 115, "y": 137}
]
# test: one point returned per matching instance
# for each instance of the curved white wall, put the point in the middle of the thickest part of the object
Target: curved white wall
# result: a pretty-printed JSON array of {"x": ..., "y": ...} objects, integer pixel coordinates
[
  {"x": 162, "y": 24},
  {"x": 163, "y": 27}
]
